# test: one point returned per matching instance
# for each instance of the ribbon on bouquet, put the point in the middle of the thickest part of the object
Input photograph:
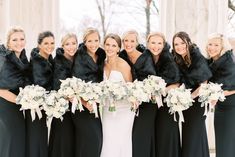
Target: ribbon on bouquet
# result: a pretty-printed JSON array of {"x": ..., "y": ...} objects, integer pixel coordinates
[
  {"x": 76, "y": 103},
  {"x": 181, "y": 119},
  {"x": 159, "y": 101},
  {"x": 206, "y": 106}
]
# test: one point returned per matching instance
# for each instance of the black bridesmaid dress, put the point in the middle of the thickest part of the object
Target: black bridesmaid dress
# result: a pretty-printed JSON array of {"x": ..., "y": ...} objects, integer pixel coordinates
[
  {"x": 14, "y": 73},
  {"x": 223, "y": 71},
  {"x": 36, "y": 131},
  {"x": 61, "y": 143},
  {"x": 88, "y": 129},
  {"x": 167, "y": 130},
  {"x": 194, "y": 136},
  {"x": 143, "y": 139}
]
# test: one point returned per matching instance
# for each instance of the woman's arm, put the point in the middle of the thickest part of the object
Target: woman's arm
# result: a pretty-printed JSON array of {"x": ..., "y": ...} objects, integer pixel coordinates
[
  {"x": 172, "y": 86},
  {"x": 9, "y": 96},
  {"x": 228, "y": 93},
  {"x": 196, "y": 92}
]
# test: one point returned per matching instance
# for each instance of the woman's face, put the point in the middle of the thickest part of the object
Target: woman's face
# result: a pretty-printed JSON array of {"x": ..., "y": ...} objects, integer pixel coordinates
[
  {"x": 180, "y": 46},
  {"x": 92, "y": 42},
  {"x": 155, "y": 45},
  {"x": 17, "y": 42},
  {"x": 214, "y": 48},
  {"x": 111, "y": 47},
  {"x": 70, "y": 46},
  {"x": 47, "y": 46},
  {"x": 130, "y": 43}
]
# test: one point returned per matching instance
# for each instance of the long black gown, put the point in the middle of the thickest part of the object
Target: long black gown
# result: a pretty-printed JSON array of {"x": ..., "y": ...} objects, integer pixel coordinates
[
  {"x": 36, "y": 131},
  {"x": 194, "y": 137},
  {"x": 88, "y": 129},
  {"x": 61, "y": 142},
  {"x": 143, "y": 139},
  {"x": 14, "y": 73},
  {"x": 223, "y": 71},
  {"x": 167, "y": 130}
]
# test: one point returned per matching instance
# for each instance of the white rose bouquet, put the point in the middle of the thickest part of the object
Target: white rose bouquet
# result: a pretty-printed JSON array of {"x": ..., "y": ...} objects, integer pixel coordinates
[
  {"x": 137, "y": 93},
  {"x": 208, "y": 93},
  {"x": 157, "y": 86},
  {"x": 93, "y": 94},
  {"x": 178, "y": 100},
  {"x": 32, "y": 98},
  {"x": 114, "y": 91},
  {"x": 70, "y": 89},
  {"x": 55, "y": 106}
]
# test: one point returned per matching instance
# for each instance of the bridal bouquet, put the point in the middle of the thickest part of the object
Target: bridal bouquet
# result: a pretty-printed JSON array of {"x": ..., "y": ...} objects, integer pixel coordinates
[
  {"x": 32, "y": 98},
  {"x": 210, "y": 92},
  {"x": 137, "y": 93},
  {"x": 114, "y": 91},
  {"x": 70, "y": 89},
  {"x": 157, "y": 86},
  {"x": 178, "y": 100}
]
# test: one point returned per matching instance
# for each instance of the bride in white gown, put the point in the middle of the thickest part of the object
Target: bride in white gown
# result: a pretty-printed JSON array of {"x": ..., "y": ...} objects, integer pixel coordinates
[{"x": 117, "y": 127}]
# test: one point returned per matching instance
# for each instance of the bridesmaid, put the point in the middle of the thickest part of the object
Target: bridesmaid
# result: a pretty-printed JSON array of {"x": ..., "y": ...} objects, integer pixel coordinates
[
  {"x": 62, "y": 132},
  {"x": 194, "y": 71},
  {"x": 88, "y": 65},
  {"x": 42, "y": 74},
  {"x": 167, "y": 131},
  {"x": 142, "y": 65},
  {"x": 222, "y": 64},
  {"x": 14, "y": 73}
]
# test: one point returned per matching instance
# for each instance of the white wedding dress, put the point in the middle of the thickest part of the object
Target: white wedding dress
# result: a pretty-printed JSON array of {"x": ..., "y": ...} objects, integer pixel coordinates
[{"x": 117, "y": 126}]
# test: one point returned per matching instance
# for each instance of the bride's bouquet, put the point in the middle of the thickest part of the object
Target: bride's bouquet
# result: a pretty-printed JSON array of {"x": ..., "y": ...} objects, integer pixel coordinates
[
  {"x": 114, "y": 91},
  {"x": 157, "y": 87},
  {"x": 178, "y": 100},
  {"x": 137, "y": 93},
  {"x": 210, "y": 92},
  {"x": 32, "y": 98}
]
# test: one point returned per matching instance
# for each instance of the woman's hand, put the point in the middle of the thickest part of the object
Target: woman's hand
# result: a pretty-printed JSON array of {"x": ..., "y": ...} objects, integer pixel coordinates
[{"x": 87, "y": 105}]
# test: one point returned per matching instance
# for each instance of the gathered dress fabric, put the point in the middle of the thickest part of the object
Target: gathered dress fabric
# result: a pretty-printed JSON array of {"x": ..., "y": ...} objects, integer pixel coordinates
[
  {"x": 223, "y": 71},
  {"x": 167, "y": 130},
  {"x": 37, "y": 131},
  {"x": 14, "y": 73},
  {"x": 194, "y": 136},
  {"x": 61, "y": 142},
  {"x": 143, "y": 133},
  {"x": 88, "y": 128},
  {"x": 117, "y": 126}
]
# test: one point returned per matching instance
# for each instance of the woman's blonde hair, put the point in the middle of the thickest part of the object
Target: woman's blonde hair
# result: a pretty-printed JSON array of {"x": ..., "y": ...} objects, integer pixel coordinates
[
  {"x": 131, "y": 32},
  {"x": 13, "y": 30},
  {"x": 68, "y": 36},
  {"x": 224, "y": 42},
  {"x": 89, "y": 31},
  {"x": 159, "y": 34}
]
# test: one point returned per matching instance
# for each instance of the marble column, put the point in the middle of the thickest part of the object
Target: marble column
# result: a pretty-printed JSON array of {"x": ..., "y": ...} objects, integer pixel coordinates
[
  {"x": 33, "y": 16},
  {"x": 199, "y": 19}
]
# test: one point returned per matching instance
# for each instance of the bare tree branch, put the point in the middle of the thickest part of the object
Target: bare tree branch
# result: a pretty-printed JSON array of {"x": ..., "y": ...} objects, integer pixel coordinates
[{"x": 231, "y": 5}]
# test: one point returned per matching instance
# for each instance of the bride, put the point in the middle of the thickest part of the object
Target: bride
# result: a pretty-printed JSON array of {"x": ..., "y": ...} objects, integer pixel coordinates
[{"x": 117, "y": 127}]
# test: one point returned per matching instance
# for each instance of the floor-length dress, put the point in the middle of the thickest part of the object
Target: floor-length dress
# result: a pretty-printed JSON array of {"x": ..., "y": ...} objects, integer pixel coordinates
[
  {"x": 117, "y": 126},
  {"x": 194, "y": 136},
  {"x": 143, "y": 133},
  {"x": 223, "y": 70},
  {"x": 14, "y": 73},
  {"x": 61, "y": 142},
  {"x": 167, "y": 130}
]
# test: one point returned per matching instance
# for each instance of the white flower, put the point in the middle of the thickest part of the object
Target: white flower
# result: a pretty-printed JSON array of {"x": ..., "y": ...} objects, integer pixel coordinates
[{"x": 32, "y": 98}]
